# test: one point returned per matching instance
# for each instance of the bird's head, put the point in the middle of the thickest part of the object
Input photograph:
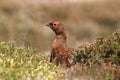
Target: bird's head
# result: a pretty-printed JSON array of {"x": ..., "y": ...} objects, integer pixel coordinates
[{"x": 56, "y": 26}]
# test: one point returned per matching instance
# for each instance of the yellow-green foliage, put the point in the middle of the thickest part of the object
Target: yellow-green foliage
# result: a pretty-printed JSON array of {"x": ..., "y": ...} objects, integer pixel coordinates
[
  {"x": 101, "y": 57},
  {"x": 103, "y": 50},
  {"x": 18, "y": 64}
]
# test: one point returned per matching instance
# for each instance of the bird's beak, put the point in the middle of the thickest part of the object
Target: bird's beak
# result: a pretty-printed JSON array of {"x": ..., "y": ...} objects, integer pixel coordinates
[{"x": 48, "y": 25}]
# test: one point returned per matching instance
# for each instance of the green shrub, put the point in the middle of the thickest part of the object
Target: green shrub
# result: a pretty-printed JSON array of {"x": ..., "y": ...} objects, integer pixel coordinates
[
  {"x": 20, "y": 64},
  {"x": 103, "y": 50}
]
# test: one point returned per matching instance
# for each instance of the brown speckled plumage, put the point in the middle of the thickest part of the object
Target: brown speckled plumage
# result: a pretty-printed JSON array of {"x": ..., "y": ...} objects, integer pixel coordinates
[{"x": 60, "y": 53}]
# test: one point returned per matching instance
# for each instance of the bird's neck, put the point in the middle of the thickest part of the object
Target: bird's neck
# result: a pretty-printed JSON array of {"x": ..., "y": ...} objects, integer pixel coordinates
[{"x": 61, "y": 38}]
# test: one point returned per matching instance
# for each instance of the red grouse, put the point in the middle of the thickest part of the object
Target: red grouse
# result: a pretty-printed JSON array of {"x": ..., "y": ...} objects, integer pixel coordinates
[{"x": 60, "y": 53}]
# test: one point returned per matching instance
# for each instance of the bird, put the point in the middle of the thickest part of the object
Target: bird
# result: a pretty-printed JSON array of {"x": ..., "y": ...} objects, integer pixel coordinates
[{"x": 60, "y": 52}]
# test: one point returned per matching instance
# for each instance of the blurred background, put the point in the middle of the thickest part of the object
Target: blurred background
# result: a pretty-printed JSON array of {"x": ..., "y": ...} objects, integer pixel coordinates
[{"x": 23, "y": 21}]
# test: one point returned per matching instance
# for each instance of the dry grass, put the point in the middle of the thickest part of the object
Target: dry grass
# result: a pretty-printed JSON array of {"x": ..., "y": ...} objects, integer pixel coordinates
[{"x": 24, "y": 22}]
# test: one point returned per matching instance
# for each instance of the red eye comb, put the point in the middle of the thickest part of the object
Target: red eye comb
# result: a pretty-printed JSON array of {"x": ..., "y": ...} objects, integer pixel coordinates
[{"x": 56, "y": 22}]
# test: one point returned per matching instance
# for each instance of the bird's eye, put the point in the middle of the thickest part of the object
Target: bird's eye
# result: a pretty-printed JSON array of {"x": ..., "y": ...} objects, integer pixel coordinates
[{"x": 54, "y": 24}]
